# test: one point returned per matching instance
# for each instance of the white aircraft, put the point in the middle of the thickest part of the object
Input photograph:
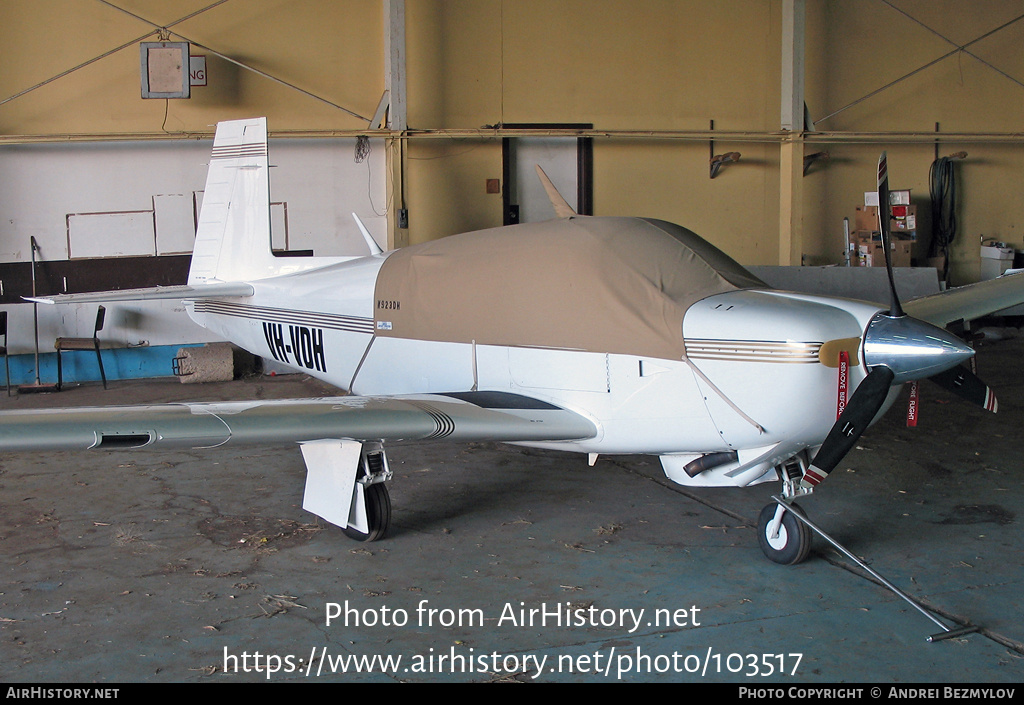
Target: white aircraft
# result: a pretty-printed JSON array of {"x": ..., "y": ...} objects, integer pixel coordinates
[{"x": 598, "y": 335}]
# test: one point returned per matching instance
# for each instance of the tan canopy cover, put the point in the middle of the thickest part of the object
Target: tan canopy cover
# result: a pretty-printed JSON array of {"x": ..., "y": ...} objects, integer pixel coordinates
[{"x": 599, "y": 284}]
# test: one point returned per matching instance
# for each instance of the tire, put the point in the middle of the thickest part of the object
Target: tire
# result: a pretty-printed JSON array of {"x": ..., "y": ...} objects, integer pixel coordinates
[
  {"x": 793, "y": 543},
  {"x": 378, "y": 514}
]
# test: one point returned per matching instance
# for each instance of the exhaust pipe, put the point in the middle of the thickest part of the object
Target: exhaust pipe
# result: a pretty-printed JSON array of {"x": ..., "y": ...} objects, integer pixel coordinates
[{"x": 709, "y": 461}]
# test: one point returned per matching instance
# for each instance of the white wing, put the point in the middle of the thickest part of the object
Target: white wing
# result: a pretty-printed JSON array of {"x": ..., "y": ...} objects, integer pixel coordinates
[
  {"x": 465, "y": 416},
  {"x": 969, "y": 302}
]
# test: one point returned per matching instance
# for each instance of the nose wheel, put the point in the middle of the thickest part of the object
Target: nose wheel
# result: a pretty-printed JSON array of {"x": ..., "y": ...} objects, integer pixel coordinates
[{"x": 784, "y": 539}]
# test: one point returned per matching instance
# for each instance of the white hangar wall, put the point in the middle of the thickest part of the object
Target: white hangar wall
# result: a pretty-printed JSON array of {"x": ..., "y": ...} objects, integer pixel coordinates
[{"x": 134, "y": 204}]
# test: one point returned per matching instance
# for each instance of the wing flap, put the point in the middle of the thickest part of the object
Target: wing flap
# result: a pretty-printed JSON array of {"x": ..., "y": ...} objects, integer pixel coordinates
[{"x": 392, "y": 419}]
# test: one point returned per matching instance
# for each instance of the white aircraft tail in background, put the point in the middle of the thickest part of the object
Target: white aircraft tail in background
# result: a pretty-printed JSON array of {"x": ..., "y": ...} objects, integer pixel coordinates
[
  {"x": 233, "y": 233},
  {"x": 233, "y": 240}
]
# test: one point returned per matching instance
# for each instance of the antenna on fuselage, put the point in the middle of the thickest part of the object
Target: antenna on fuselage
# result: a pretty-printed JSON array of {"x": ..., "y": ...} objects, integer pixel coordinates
[{"x": 370, "y": 242}]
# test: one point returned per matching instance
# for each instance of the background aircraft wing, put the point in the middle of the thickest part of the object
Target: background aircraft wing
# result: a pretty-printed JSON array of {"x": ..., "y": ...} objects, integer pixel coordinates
[
  {"x": 464, "y": 416},
  {"x": 969, "y": 302}
]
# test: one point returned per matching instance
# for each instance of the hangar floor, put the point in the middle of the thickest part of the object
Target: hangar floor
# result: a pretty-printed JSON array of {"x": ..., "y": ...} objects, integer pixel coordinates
[{"x": 201, "y": 566}]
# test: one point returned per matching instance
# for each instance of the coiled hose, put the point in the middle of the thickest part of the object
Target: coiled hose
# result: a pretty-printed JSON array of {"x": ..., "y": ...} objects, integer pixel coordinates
[{"x": 942, "y": 188}]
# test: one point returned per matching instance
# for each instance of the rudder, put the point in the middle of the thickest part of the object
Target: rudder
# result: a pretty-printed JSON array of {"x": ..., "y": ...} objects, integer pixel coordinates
[{"x": 233, "y": 235}]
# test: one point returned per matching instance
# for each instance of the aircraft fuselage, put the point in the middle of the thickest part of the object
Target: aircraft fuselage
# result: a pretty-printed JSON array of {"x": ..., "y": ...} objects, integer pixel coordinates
[{"x": 325, "y": 323}]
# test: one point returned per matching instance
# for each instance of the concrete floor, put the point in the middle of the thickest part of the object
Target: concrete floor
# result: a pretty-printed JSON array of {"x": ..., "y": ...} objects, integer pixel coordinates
[{"x": 183, "y": 566}]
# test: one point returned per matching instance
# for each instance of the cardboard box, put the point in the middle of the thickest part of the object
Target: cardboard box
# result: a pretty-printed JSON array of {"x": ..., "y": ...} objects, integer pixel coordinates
[
  {"x": 863, "y": 248},
  {"x": 901, "y": 253},
  {"x": 866, "y": 218},
  {"x": 996, "y": 258},
  {"x": 905, "y": 226},
  {"x": 871, "y": 254},
  {"x": 997, "y": 251},
  {"x": 904, "y": 218},
  {"x": 900, "y": 197}
]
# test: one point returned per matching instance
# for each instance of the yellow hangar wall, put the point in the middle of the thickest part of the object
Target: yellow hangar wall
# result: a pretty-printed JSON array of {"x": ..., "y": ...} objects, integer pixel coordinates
[
  {"x": 332, "y": 49},
  {"x": 647, "y": 66},
  {"x": 976, "y": 91},
  {"x": 659, "y": 66}
]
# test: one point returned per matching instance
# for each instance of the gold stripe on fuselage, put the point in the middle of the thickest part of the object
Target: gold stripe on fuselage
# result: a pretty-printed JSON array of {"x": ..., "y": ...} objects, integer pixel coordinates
[{"x": 776, "y": 351}]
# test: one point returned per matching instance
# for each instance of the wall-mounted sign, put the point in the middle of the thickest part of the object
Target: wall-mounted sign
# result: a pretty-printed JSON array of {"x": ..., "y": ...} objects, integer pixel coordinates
[
  {"x": 197, "y": 70},
  {"x": 164, "y": 69}
]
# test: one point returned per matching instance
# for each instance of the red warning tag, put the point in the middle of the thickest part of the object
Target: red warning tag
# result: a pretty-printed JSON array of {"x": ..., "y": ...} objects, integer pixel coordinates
[
  {"x": 844, "y": 382},
  {"x": 913, "y": 406}
]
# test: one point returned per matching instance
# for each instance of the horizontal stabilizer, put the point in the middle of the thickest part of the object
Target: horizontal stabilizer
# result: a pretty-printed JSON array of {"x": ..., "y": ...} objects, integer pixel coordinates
[{"x": 205, "y": 291}]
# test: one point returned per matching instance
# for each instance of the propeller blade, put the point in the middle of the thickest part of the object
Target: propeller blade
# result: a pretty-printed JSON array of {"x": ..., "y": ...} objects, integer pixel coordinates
[
  {"x": 895, "y": 310},
  {"x": 863, "y": 406},
  {"x": 963, "y": 382}
]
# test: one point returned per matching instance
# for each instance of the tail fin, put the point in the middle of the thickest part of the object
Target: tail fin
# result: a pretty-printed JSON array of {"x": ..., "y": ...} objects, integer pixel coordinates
[
  {"x": 561, "y": 206},
  {"x": 233, "y": 235}
]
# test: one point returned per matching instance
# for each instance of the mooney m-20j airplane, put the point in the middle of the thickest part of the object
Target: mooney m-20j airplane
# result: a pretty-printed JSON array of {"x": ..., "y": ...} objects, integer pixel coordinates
[{"x": 601, "y": 335}]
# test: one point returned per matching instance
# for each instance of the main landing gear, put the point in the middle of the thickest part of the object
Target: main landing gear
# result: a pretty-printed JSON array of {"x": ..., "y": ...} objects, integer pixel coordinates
[
  {"x": 377, "y": 503},
  {"x": 345, "y": 486},
  {"x": 371, "y": 489}
]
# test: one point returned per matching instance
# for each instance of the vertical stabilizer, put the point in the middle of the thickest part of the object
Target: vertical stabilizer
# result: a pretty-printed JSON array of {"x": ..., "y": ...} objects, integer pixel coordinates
[
  {"x": 233, "y": 235},
  {"x": 561, "y": 206}
]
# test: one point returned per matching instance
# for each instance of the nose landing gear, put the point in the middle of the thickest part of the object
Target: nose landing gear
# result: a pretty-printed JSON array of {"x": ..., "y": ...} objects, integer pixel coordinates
[{"x": 784, "y": 539}]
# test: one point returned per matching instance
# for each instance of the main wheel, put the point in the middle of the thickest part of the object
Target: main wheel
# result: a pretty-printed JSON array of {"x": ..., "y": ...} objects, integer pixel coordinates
[
  {"x": 378, "y": 514},
  {"x": 792, "y": 544}
]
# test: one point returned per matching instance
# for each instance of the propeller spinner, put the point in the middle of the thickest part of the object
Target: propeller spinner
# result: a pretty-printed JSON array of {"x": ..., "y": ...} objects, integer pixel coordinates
[{"x": 911, "y": 348}]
